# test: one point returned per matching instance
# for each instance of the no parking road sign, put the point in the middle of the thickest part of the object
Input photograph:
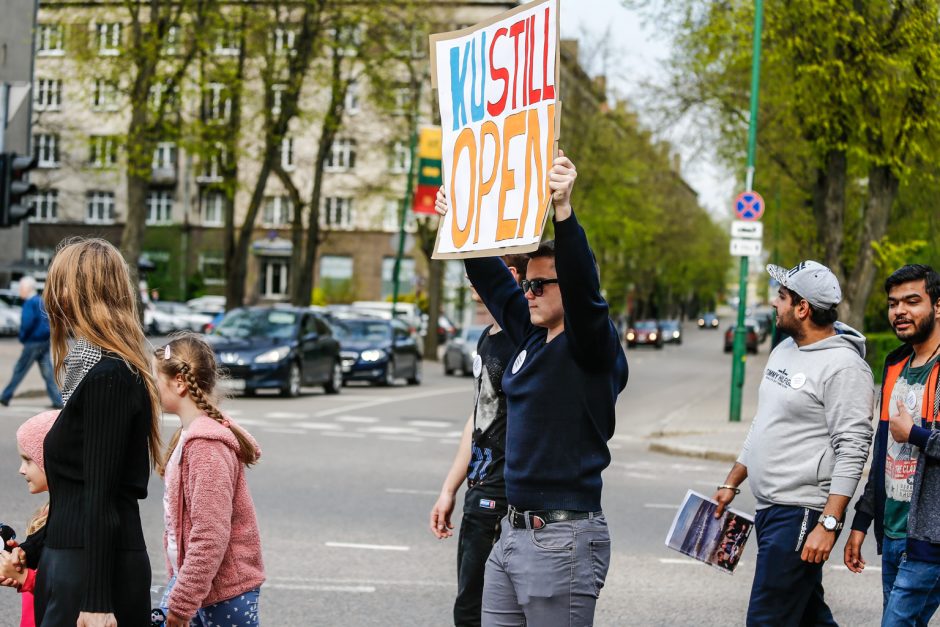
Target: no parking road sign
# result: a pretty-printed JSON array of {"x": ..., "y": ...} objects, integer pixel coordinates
[{"x": 749, "y": 206}]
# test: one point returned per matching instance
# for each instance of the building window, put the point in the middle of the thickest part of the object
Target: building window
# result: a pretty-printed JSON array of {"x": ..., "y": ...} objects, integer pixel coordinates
[
  {"x": 284, "y": 41},
  {"x": 100, "y": 208},
  {"x": 216, "y": 103},
  {"x": 406, "y": 276},
  {"x": 352, "y": 98},
  {"x": 274, "y": 278},
  {"x": 277, "y": 213},
  {"x": 287, "y": 153},
  {"x": 164, "y": 156},
  {"x": 46, "y": 206},
  {"x": 50, "y": 39},
  {"x": 39, "y": 256},
  {"x": 401, "y": 158},
  {"x": 48, "y": 95},
  {"x": 226, "y": 43},
  {"x": 342, "y": 156},
  {"x": 391, "y": 218},
  {"x": 337, "y": 213},
  {"x": 159, "y": 207},
  {"x": 212, "y": 166},
  {"x": 47, "y": 150},
  {"x": 212, "y": 268},
  {"x": 171, "y": 41},
  {"x": 277, "y": 97},
  {"x": 336, "y": 273},
  {"x": 102, "y": 151},
  {"x": 346, "y": 40},
  {"x": 108, "y": 38},
  {"x": 161, "y": 94},
  {"x": 104, "y": 96},
  {"x": 213, "y": 208}
]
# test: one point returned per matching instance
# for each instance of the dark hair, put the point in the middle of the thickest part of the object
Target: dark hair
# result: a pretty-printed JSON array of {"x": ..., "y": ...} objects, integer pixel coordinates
[
  {"x": 820, "y": 317},
  {"x": 545, "y": 249},
  {"x": 519, "y": 262},
  {"x": 916, "y": 272}
]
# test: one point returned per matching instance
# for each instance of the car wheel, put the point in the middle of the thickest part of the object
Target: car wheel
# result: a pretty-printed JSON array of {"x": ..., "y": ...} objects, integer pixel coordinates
[
  {"x": 249, "y": 392},
  {"x": 292, "y": 389},
  {"x": 448, "y": 371},
  {"x": 416, "y": 376},
  {"x": 389, "y": 379},
  {"x": 335, "y": 383}
]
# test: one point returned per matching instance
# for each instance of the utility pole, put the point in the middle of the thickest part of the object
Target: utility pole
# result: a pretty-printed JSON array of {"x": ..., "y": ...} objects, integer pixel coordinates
[
  {"x": 740, "y": 332},
  {"x": 409, "y": 195}
]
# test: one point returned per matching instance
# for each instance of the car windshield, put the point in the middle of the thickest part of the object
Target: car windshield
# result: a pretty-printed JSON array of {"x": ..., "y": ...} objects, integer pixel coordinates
[
  {"x": 670, "y": 325},
  {"x": 472, "y": 334},
  {"x": 646, "y": 325},
  {"x": 363, "y": 330},
  {"x": 251, "y": 323}
]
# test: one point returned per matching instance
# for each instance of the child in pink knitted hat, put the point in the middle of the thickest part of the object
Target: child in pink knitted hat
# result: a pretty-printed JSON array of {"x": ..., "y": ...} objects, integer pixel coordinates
[{"x": 29, "y": 442}]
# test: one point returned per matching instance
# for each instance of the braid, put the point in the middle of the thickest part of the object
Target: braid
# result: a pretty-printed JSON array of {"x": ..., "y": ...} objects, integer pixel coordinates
[{"x": 199, "y": 397}]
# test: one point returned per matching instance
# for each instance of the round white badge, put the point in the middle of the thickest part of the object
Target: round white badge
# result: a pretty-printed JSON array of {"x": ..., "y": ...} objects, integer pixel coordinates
[
  {"x": 797, "y": 381},
  {"x": 910, "y": 401},
  {"x": 519, "y": 361},
  {"x": 477, "y": 366}
]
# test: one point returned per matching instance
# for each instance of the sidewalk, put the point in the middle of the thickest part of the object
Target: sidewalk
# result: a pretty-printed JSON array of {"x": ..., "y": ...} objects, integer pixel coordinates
[{"x": 32, "y": 385}]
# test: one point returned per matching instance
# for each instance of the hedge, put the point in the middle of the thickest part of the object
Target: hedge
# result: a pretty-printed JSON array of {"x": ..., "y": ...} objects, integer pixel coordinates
[{"x": 877, "y": 347}]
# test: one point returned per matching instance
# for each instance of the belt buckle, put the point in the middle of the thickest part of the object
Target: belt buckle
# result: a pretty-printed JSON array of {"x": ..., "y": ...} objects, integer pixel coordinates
[{"x": 537, "y": 522}]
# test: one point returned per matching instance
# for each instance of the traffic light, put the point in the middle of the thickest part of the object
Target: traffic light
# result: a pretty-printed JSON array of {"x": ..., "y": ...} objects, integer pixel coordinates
[{"x": 15, "y": 189}]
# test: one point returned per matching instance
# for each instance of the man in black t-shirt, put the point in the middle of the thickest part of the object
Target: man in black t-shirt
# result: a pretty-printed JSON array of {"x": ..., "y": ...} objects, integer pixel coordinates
[{"x": 479, "y": 461}]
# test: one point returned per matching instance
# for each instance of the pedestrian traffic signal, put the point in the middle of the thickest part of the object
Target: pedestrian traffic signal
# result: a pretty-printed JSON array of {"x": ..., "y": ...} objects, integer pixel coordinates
[{"x": 15, "y": 188}]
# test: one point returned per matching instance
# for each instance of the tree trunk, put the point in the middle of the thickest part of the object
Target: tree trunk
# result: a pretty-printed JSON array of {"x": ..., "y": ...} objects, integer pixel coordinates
[
  {"x": 296, "y": 235},
  {"x": 829, "y": 210},
  {"x": 435, "y": 289},
  {"x": 882, "y": 190}
]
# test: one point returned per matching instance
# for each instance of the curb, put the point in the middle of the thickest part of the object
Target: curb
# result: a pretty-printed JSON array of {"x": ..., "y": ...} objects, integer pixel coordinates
[{"x": 689, "y": 450}]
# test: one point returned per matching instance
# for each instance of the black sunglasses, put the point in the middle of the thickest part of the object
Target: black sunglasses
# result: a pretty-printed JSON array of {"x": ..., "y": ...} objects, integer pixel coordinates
[{"x": 536, "y": 285}]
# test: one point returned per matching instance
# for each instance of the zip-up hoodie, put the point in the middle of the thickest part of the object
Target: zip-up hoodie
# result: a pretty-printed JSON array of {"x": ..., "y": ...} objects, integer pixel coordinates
[
  {"x": 213, "y": 518},
  {"x": 812, "y": 431}
]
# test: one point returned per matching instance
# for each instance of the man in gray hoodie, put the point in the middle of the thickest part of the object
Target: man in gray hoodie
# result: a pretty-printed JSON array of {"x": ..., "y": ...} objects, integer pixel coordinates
[{"x": 808, "y": 443}]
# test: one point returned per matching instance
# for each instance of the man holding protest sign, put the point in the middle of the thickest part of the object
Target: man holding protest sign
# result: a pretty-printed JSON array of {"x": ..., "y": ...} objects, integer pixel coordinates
[{"x": 554, "y": 549}]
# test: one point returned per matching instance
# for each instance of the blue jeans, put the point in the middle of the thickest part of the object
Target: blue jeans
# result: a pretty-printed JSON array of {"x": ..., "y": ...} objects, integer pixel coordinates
[
  {"x": 240, "y": 611},
  {"x": 915, "y": 594},
  {"x": 34, "y": 352}
]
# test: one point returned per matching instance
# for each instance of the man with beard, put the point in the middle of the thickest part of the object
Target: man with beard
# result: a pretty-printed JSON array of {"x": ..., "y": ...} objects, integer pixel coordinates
[
  {"x": 902, "y": 495},
  {"x": 479, "y": 462},
  {"x": 804, "y": 454}
]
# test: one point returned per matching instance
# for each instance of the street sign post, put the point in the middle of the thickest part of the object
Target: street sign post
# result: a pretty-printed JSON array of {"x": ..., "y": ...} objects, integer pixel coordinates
[
  {"x": 749, "y": 206},
  {"x": 746, "y": 247}
]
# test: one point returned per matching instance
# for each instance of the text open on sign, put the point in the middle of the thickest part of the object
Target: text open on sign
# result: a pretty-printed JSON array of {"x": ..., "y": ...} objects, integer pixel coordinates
[{"x": 497, "y": 85}]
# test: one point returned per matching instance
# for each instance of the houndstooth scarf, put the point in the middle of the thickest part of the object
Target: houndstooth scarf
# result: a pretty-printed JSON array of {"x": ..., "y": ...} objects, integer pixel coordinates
[{"x": 80, "y": 359}]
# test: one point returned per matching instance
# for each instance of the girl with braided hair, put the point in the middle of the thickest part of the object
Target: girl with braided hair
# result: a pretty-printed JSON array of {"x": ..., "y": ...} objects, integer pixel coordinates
[{"x": 212, "y": 543}]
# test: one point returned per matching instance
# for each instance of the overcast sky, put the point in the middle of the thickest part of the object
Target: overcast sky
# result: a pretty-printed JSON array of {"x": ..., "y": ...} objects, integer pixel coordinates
[{"x": 637, "y": 52}]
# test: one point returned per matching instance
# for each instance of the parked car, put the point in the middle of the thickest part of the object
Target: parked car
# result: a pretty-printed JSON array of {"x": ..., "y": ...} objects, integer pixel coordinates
[
  {"x": 158, "y": 322},
  {"x": 12, "y": 298},
  {"x": 281, "y": 348},
  {"x": 207, "y": 304},
  {"x": 764, "y": 320},
  {"x": 9, "y": 319},
  {"x": 672, "y": 331},
  {"x": 645, "y": 332},
  {"x": 708, "y": 321},
  {"x": 377, "y": 350},
  {"x": 184, "y": 317},
  {"x": 751, "y": 339},
  {"x": 462, "y": 350},
  {"x": 409, "y": 313}
]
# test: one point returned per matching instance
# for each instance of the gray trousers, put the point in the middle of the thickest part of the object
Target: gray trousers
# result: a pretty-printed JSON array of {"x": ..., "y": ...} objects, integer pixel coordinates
[{"x": 546, "y": 577}]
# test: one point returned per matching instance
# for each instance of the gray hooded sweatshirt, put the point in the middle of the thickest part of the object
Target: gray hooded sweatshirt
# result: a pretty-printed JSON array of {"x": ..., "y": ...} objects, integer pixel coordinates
[{"x": 812, "y": 431}]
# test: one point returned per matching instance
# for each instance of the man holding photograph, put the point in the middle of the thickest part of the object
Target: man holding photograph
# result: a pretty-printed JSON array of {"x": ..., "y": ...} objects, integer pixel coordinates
[{"x": 804, "y": 454}]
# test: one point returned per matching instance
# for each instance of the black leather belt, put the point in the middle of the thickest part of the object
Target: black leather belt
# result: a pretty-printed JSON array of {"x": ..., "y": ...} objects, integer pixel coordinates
[{"x": 536, "y": 519}]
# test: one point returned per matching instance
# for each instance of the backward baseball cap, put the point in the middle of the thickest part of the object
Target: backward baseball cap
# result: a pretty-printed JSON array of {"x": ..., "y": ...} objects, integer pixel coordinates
[{"x": 811, "y": 280}]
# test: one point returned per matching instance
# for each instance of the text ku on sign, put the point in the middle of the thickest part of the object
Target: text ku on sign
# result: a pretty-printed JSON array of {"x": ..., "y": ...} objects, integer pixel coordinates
[{"x": 746, "y": 247}]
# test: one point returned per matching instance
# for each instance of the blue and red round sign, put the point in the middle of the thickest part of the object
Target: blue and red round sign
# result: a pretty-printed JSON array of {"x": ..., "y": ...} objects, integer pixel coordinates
[{"x": 749, "y": 206}]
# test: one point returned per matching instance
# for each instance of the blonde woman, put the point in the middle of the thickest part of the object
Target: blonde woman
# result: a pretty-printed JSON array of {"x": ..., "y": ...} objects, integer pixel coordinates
[{"x": 94, "y": 570}]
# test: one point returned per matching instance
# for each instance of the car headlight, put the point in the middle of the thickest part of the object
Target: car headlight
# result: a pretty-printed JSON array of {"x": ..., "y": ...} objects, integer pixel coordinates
[
  {"x": 273, "y": 356},
  {"x": 473, "y": 354},
  {"x": 372, "y": 355},
  {"x": 653, "y": 337},
  {"x": 631, "y": 336},
  {"x": 701, "y": 322},
  {"x": 675, "y": 334}
]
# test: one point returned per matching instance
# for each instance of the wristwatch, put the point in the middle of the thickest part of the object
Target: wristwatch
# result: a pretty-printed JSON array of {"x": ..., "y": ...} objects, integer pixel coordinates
[{"x": 830, "y": 522}]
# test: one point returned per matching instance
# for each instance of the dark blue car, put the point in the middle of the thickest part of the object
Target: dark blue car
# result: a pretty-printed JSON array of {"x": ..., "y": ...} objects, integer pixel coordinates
[
  {"x": 377, "y": 350},
  {"x": 277, "y": 348}
]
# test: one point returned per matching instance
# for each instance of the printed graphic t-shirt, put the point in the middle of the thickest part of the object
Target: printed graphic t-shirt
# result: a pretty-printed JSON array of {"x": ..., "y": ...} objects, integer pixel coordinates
[
  {"x": 485, "y": 473},
  {"x": 901, "y": 459}
]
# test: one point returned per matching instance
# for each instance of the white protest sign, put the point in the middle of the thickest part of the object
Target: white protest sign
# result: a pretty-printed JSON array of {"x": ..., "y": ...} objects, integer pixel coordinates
[{"x": 497, "y": 84}]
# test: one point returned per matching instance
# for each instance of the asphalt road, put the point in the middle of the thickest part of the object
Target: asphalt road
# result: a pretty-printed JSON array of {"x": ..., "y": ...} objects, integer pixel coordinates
[{"x": 346, "y": 482}]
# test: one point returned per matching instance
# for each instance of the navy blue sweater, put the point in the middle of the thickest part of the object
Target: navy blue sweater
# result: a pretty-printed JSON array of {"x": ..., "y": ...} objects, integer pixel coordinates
[
  {"x": 561, "y": 396},
  {"x": 34, "y": 323}
]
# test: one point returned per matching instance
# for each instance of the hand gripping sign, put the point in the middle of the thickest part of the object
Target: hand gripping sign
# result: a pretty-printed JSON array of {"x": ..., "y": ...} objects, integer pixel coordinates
[{"x": 497, "y": 84}]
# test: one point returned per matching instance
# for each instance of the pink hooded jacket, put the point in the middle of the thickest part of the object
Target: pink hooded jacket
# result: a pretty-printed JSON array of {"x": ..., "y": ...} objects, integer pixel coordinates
[{"x": 213, "y": 517}]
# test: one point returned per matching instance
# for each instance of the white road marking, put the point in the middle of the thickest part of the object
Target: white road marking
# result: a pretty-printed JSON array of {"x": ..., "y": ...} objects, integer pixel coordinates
[
  {"x": 359, "y": 419},
  {"x": 874, "y": 569},
  {"x": 283, "y": 430},
  {"x": 287, "y": 414},
  {"x": 318, "y": 426},
  {"x": 361, "y": 582},
  {"x": 679, "y": 560},
  {"x": 401, "y": 438},
  {"x": 431, "y": 424},
  {"x": 359, "y": 397},
  {"x": 319, "y": 587},
  {"x": 369, "y": 547},
  {"x": 643, "y": 476},
  {"x": 708, "y": 483},
  {"x": 450, "y": 442},
  {"x": 660, "y": 506},
  {"x": 250, "y": 422},
  {"x": 344, "y": 434},
  {"x": 396, "y": 399},
  {"x": 407, "y": 491},
  {"x": 386, "y": 430}
]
